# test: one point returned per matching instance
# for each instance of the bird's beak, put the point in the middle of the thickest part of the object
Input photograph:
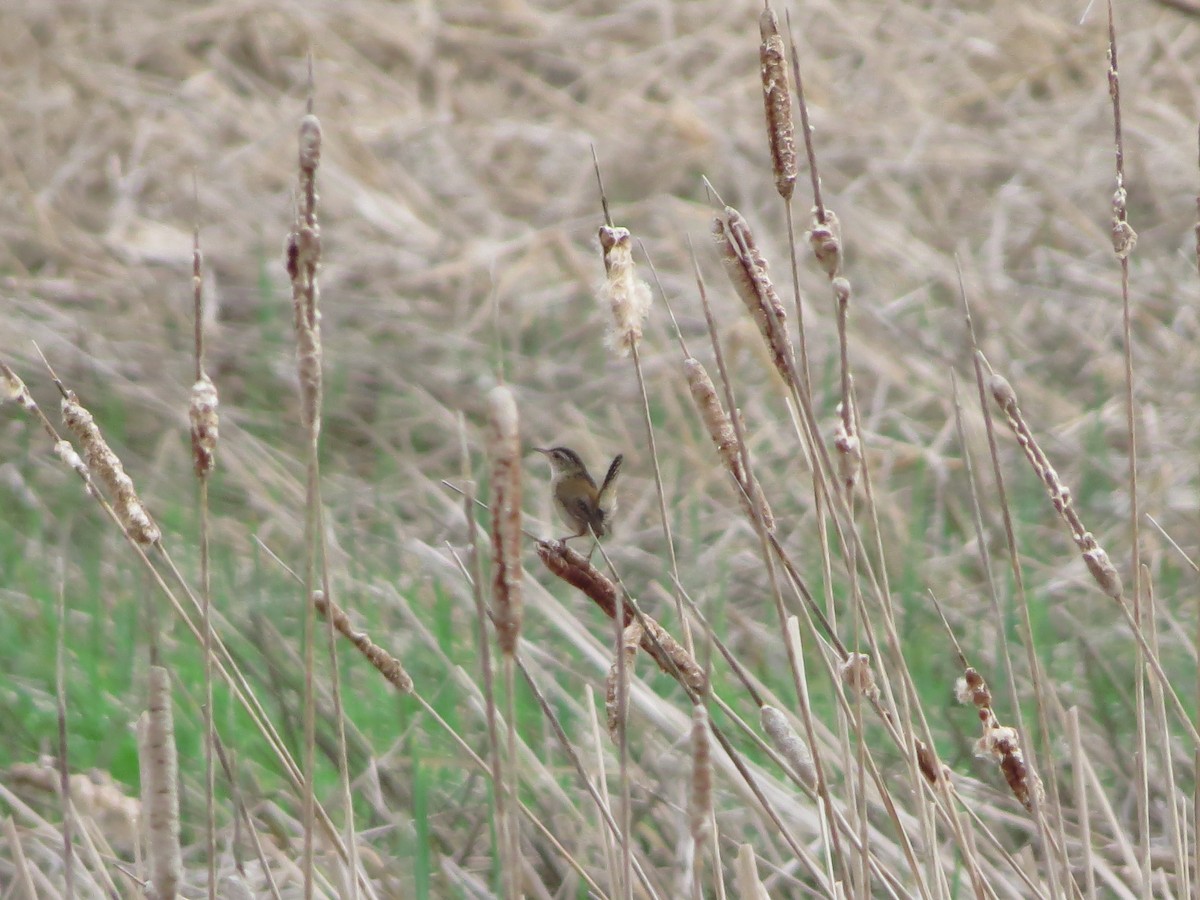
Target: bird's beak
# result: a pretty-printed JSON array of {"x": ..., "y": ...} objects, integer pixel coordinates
[{"x": 542, "y": 450}]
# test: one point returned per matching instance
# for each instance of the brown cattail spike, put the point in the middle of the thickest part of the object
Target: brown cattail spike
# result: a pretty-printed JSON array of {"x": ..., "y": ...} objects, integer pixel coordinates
[
  {"x": 202, "y": 411},
  {"x": 720, "y": 429},
  {"x": 747, "y": 271},
  {"x": 386, "y": 664},
  {"x": 160, "y": 770},
  {"x": 504, "y": 448},
  {"x": 106, "y": 466},
  {"x": 777, "y": 103},
  {"x": 669, "y": 654}
]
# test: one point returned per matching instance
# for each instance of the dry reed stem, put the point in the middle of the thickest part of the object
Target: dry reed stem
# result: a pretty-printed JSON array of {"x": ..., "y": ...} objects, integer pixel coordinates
[
  {"x": 616, "y": 710},
  {"x": 668, "y": 653},
  {"x": 789, "y": 744},
  {"x": 724, "y": 437},
  {"x": 504, "y": 448},
  {"x": 160, "y": 770},
  {"x": 386, "y": 664},
  {"x": 1094, "y": 557},
  {"x": 202, "y": 413},
  {"x": 777, "y": 104},
  {"x": 1000, "y": 742},
  {"x": 747, "y": 271},
  {"x": 106, "y": 465},
  {"x": 627, "y": 296},
  {"x": 700, "y": 805}
]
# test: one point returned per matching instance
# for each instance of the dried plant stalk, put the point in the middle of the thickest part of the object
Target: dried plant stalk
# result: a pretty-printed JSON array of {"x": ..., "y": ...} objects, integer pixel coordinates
[
  {"x": 700, "y": 800},
  {"x": 202, "y": 412},
  {"x": 1000, "y": 742},
  {"x": 1097, "y": 561},
  {"x": 159, "y": 769},
  {"x": 504, "y": 448},
  {"x": 105, "y": 464},
  {"x": 789, "y": 744},
  {"x": 386, "y": 664},
  {"x": 627, "y": 296},
  {"x": 747, "y": 271},
  {"x": 631, "y": 638},
  {"x": 670, "y": 656},
  {"x": 724, "y": 437},
  {"x": 777, "y": 103}
]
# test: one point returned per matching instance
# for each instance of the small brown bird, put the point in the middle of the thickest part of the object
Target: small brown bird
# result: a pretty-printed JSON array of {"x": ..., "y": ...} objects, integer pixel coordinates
[{"x": 581, "y": 505}]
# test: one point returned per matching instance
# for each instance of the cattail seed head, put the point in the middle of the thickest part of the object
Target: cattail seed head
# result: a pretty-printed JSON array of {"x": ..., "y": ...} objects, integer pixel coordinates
[
  {"x": 386, "y": 664},
  {"x": 504, "y": 448},
  {"x": 627, "y": 296},
  {"x": 310, "y": 144},
  {"x": 159, "y": 769},
  {"x": 858, "y": 675},
  {"x": 850, "y": 458},
  {"x": 106, "y": 466},
  {"x": 825, "y": 239},
  {"x": 615, "y": 713},
  {"x": 747, "y": 271},
  {"x": 13, "y": 390},
  {"x": 202, "y": 411},
  {"x": 971, "y": 688},
  {"x": 789, "y": 744},
  {"x": 1002, "y": 392},
  {"x": 777, "y": 103},
  {"x": 724, "y": 437}
]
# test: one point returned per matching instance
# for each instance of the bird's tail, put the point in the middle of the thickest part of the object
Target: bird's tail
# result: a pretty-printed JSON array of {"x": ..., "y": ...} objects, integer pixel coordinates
[{"x": 606, "y": 487}]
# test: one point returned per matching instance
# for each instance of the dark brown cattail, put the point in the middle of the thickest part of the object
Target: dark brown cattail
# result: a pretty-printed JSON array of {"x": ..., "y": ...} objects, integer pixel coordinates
[
  {"x": 1000, "y": 742},
  {"x": 777, "y": 102},
  {"x": 504, "y": 448},
  {"x": 671, "y": 657}
]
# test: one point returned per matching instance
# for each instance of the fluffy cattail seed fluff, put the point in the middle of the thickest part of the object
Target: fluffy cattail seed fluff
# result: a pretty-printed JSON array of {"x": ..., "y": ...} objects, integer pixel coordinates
[
  {"x": 504, "y": 448},
  {"x": 627, "y": 296},
  {"x": 631, "y": 637},
  {"x": 202, "y": 411}
]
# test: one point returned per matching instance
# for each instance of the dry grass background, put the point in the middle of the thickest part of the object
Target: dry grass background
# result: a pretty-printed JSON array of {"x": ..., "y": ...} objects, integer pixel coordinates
[{"x": 459, "y": 214}]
